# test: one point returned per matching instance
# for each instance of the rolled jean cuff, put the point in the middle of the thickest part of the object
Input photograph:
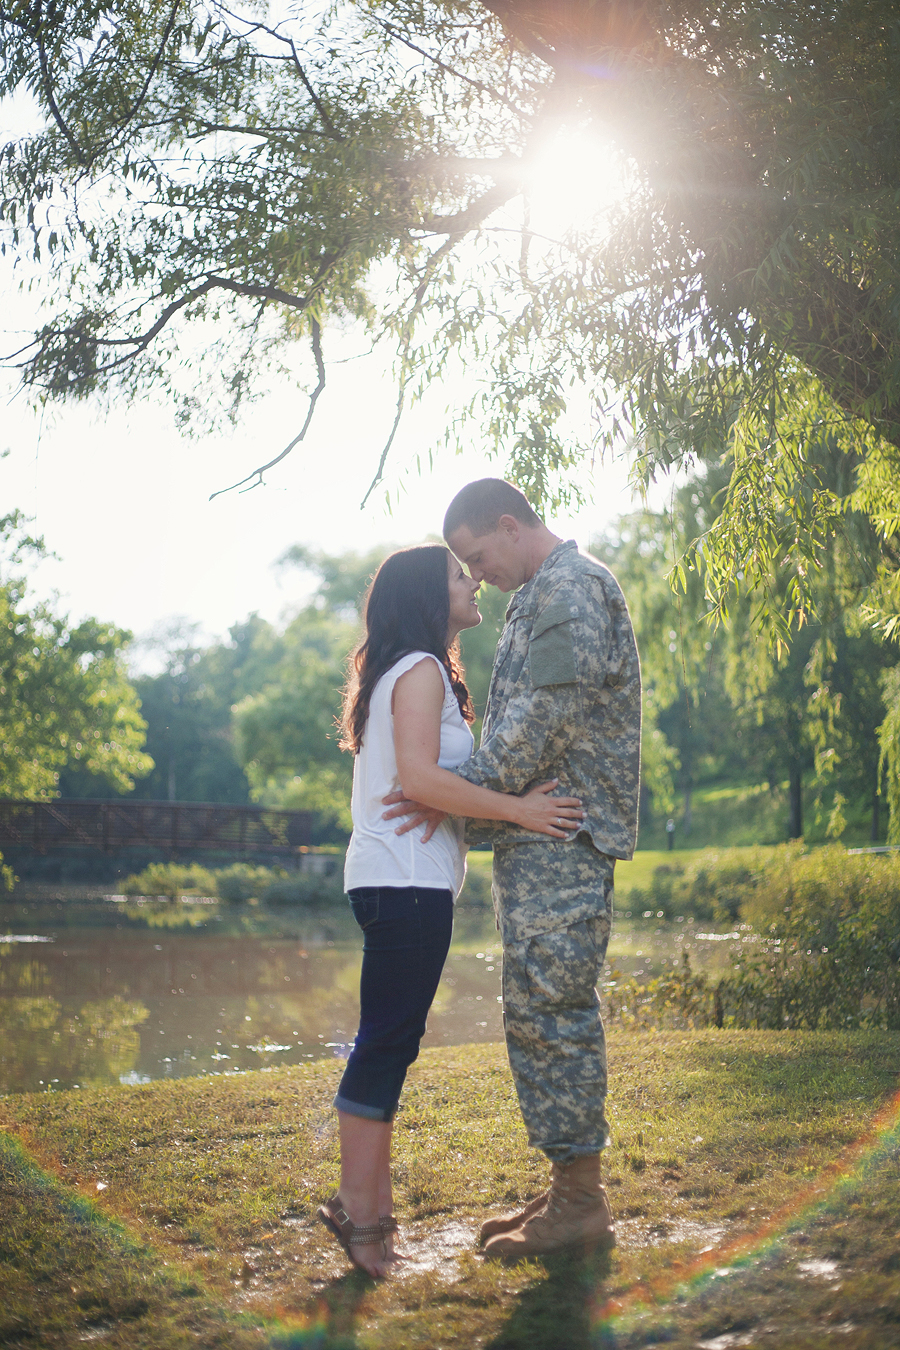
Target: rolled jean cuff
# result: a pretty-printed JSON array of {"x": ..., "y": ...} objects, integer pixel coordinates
[{"x": 366, "y": 1112}]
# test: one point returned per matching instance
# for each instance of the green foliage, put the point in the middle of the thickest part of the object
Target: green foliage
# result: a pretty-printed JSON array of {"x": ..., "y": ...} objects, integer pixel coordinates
[
  {"x": 65, "y": 698},
  {"x": 188, "y": 708},
  {"x": 478, "y": 645},
  {"x": 728, "y": 701},
  {"x": 711, "y": 884},
  {"x": 303, "y": 888},
  {"x": 285, "y": 733},
  {"x": 199, "y": 177},
  {"x": 253, "y": 717},
  {"x": 275, "y": 886},
  {"x": 342, "y": 579},
  {"x": 889, "y": 741},
  {"x": 682, "y": 998},
  {"x": 239, "y": 882},
  {"x": 820, "y": 948},
  {"x": 476, "y": 891},
  {"x": 242, "y": 881},
  {"x": 171, "y": 879},
  {"x": 831, "y": 948}
]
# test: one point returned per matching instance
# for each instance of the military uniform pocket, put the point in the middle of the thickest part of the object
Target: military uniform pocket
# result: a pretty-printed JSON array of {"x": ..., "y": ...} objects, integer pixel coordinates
[{"x": 563, "y": 967}]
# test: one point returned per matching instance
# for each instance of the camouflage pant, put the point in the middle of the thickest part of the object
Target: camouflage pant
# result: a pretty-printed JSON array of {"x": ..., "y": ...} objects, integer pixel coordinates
[{"x": 551, "y": 1011}]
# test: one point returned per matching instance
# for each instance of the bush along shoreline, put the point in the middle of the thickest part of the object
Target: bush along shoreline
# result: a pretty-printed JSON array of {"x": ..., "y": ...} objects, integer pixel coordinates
[
  {"x": 818, "y": 932},
  {"x": 243, "y": 883},
  {"x": 819, "y": 948}
]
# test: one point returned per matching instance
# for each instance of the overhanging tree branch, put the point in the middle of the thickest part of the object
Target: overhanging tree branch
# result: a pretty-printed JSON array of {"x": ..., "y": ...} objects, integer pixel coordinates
[
  {"x": 154, "y": 66},
  {"x": 472, "y": 215},
  {"x": 137, "y": 345},
  {"x": 258, "y": 27},
  {"x": 406, "y": 341},
  {"x": 47, "y": 81},
  {"x": 313, "y": 399},
  {"x": 493, "y": 94}
]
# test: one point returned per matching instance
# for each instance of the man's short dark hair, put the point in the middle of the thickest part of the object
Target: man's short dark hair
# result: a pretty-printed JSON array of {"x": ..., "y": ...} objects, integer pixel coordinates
[{"x": 481, "y": 504}]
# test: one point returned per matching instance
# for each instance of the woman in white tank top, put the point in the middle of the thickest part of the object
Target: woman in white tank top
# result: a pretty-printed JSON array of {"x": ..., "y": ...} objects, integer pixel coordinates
[{"x": 406, "y": 718}]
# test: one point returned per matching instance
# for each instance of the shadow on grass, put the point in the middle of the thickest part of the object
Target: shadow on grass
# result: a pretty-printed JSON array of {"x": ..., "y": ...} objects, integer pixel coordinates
[
  {"x": 555, "y": 1312},
  {"x": 332, "y": 1325}
]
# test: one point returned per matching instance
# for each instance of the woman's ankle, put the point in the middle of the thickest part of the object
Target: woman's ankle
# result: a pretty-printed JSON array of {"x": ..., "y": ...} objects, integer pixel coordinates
[{"x": 361, "y": 1205}]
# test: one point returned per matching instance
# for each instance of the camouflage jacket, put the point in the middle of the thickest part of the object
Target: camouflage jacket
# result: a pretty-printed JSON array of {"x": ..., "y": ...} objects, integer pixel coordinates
[{"x": 565, "y": 702}]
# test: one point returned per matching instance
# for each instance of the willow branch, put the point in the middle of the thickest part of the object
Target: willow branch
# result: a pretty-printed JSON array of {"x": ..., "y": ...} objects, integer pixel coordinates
[
  {"x": 313, "y": 399},
  {"x": 140, "y": 344},
  {"x": 259, "y": 27},
  {"x": 418, "y": 298},
  {"x": 58, "y": 118},
  {"x": 379, "y": 472},
  {"x": 493, "y": 94},
  {"x": 473, "y": 214},
  {"x": 154, "y": 66}
]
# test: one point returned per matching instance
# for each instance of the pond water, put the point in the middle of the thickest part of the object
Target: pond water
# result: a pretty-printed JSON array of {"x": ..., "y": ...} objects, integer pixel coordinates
[{"x": 106, "y": 991}]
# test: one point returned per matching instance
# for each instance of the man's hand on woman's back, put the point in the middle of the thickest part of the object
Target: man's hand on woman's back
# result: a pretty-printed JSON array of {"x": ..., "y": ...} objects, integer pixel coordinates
[{"x": 413, "y": 814}]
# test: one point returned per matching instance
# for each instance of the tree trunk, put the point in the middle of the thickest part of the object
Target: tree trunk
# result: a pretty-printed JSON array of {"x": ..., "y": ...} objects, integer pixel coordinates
[
  {"x": 795, "y": 790},
  {"x": 876, "y": 802},
  {"x": 688, "y": 809}
]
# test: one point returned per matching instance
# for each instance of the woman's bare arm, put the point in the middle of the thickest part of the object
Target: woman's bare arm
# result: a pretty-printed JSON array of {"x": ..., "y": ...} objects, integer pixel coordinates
[{"x": 417, "y": 703}]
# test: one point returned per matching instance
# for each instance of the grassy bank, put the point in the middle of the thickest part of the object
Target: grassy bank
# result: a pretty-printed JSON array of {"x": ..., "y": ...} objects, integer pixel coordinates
[
  {"x": 183, "y": 1213},
  {"x": 728, "y": 814}
]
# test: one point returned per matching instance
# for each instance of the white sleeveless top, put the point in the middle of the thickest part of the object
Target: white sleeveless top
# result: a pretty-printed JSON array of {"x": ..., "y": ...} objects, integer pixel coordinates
[{"x": 377, "y": 856}]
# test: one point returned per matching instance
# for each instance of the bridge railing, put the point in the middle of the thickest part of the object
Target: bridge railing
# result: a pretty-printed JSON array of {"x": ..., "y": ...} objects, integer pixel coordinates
[{"x": 110, "y": 825}]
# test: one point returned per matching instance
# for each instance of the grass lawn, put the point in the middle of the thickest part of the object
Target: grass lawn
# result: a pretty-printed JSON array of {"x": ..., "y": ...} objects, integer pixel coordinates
[
  {"x": 636, "y": 874},
  {"x": 757, "y": 1205}
]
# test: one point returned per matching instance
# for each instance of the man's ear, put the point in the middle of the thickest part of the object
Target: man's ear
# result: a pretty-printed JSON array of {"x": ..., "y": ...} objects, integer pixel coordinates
[{"x": 509, "y": 525}]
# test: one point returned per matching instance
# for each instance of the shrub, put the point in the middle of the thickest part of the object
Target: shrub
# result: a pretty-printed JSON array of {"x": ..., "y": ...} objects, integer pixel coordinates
[
  {"x": 714, "y": 885},
  {"x": 823, "y": 951},
  {"x": 170, "y": 879},
  {"x": 681, "y": 998},
  {"x": 303, "y": 888},
  {"x": 244, "y": 881},
  {"x": 829, "y": 949},
  {"x": 238, "y": 883}
]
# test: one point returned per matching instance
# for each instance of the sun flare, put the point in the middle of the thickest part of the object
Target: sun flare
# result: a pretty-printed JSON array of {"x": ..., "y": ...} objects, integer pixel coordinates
[{"x": 576, "y": 177}]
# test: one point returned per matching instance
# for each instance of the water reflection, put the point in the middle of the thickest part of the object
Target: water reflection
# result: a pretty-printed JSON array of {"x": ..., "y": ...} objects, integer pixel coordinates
[
  {"x": 48, "y": 1040},
  {"x": 101, "y": 992},
  {"x": 155, "y": 991}
]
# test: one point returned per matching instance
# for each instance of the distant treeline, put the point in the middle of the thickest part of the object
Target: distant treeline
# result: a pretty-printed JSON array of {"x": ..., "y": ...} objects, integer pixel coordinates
[{"x": 803, "y": 706}]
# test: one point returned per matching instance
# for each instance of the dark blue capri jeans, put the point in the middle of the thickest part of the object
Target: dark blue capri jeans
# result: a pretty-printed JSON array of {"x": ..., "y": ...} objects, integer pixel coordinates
[{"x": 406, "y": 936}]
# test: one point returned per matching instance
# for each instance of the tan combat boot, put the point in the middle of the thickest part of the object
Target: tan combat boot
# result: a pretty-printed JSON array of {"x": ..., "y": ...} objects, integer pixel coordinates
[
  {"x": 507, "y": 1222},
  {"x": 577, "y": 1214}
]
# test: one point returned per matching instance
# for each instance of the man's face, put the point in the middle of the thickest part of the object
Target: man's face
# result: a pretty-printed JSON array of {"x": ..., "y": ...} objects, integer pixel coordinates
[{"x": 497, "y": 558}]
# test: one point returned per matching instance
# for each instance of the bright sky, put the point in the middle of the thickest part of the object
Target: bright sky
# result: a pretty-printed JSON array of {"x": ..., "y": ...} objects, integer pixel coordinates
[{"x": 123, "y": 499}]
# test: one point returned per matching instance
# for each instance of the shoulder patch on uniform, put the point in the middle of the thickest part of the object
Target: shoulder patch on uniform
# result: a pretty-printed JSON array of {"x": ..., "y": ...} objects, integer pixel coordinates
[
  {"x": 551, "y": 653},
  {"x": 550, "y": 616}
]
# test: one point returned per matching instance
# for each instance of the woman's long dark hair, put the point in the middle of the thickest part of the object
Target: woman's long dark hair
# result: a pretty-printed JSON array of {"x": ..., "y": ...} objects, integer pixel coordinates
[{"x": 407, "y": 610}]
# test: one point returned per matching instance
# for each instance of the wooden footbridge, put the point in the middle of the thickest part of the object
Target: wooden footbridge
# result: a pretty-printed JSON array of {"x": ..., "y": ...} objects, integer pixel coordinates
[{"x": 167, "y": 826}]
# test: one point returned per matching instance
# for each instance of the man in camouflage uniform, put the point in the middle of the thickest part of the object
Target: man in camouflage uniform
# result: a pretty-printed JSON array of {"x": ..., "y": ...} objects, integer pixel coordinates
[{"x": 564, "y": 703}]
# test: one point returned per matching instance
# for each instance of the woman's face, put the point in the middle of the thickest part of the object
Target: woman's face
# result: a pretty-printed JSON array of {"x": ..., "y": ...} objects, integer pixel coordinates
[{"x": 463, "y": 607}]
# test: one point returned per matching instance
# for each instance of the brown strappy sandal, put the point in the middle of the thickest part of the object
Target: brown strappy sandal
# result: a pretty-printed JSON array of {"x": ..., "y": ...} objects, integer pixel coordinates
[
  {"x": 350, "y": 1234},
  {"x": 389, "y": 1227}
]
